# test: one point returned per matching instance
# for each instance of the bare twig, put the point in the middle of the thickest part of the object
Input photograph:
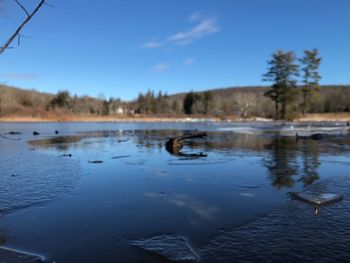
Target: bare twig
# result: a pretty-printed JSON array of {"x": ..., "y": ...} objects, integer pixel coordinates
[
  {"x": 16, "y": 33},
  {"x": 50, "y": 5},
  {"x": 21, "y": 6}
]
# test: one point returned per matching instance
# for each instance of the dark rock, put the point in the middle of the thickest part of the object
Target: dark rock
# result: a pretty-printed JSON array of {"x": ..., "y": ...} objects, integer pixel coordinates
[
  {"x": 97, "y": 161},
  {"x": 318, "y": 136},
  {"x": 35, "y": 133},
  {"x": 120, "y": 157},
  {"x": 14, "y": 133}
]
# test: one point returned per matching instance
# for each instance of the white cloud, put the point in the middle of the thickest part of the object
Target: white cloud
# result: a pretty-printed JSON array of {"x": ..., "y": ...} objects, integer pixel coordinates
[
  {"x": 189, "y": 61},
  {"x": 195, "y": 16},
  {"x": 159, "y": 68},
  {"x": 153, "y": 44},
  {"x": 203, "y": 28},
  {"x": 20, "y": 76}
]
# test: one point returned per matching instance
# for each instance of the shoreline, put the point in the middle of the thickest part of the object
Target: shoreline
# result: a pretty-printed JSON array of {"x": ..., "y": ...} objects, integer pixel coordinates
[{"x": 324, "y": 117}]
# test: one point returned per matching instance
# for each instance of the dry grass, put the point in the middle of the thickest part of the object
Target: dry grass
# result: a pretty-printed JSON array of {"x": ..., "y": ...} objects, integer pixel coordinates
[
  {"x": 95, "y": 119},
  {"x": 343, "y": 116},
  {"x": 138, "y": 118}
]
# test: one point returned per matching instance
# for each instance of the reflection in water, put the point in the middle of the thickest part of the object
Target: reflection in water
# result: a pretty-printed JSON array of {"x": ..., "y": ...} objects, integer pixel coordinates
[
  {"x": 178, "y": 152},
  {"x": 282, "y": 163},
  {"x": 197, "y": 207},
  {"x": 232, "y": 187},
  {"x": 60, "y": 142},
  {"x": 185, "y": 201},
  {"x": 310, "y": 162},
  {"x": 284, "y": 157}
]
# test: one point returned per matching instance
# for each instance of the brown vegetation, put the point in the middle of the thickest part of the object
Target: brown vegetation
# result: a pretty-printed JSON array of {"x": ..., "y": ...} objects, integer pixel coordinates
[{"x": 231, "y": 103}]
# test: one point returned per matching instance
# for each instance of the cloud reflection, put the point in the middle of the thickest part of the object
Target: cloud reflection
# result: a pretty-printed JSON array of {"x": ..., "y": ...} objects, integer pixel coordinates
[{"x": 184, "y": 201}]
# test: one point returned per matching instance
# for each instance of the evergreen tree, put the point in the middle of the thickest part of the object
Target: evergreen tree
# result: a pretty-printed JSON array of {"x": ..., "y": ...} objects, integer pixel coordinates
[
  {"x": 208, "y": 101},
  {"x": 282, "y": 72},
  {"x": 62, "y": 99},
  {"x": 175, "y": 107},
  {"x": 189, "y": 101},
  {"x": 310, "y": 63}
]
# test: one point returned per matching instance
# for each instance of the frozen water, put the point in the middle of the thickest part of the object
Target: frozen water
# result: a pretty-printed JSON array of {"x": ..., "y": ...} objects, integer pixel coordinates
[
  {"x": 13, "y": 256},
  {"x": 173, "y": 247},
  {"x": 317, "y": 198}
]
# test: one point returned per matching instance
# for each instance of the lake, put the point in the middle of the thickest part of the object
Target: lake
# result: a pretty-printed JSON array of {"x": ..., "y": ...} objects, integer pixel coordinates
[{"x": 112, "y": 192}]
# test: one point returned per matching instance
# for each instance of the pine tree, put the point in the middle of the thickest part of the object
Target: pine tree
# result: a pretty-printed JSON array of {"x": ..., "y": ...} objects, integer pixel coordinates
[
  {"x": 189, "y": 101},
  {"x": 310, "y": 63},
  {"x": 282, "y": 72}
]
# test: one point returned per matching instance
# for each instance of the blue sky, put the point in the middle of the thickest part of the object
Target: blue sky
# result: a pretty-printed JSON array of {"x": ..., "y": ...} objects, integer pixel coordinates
[{"x": 123, "y": 47}]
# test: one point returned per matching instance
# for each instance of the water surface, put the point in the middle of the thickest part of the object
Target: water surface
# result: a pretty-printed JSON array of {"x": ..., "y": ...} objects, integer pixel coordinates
[{"x": 86, "y": 193}]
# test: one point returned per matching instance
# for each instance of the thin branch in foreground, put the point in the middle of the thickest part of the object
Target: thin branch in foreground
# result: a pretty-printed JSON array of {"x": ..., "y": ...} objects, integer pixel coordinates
[
  {"x": 50, "y": 5},
  {"x": 16, "y": 33},
  {"x": 22, "y": 7}
]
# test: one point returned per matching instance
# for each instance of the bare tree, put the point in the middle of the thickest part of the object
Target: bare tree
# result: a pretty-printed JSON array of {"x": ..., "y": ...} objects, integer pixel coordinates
[{"x": 28, "y": 18}]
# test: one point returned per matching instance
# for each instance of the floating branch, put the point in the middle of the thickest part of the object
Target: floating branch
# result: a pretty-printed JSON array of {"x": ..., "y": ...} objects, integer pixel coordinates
[{"x": 174, "y": 145}]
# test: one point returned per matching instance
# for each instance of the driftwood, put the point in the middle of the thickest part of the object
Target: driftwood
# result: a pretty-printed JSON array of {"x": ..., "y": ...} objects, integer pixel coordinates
[{"x": 174, "y": 145}]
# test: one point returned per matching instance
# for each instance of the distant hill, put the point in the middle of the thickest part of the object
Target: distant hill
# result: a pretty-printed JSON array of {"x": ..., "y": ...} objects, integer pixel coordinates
[{"x": 231, "y": 101}]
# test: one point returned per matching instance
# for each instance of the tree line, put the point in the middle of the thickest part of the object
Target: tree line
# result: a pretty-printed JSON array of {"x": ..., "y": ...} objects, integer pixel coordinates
[
  {"x": 294, "y": 91},
  {"x": 242, "y": 102},
  {"x": 289, "y": 98},
  {"x": 20, "y": 102}
]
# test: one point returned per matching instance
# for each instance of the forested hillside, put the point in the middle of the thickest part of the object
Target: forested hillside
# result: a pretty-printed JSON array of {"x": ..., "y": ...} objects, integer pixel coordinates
[{"x": 225, "y": 102}]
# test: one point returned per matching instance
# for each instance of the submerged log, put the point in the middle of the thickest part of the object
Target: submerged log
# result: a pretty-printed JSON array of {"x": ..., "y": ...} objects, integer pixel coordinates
[{"x": 174, "y": 145}]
